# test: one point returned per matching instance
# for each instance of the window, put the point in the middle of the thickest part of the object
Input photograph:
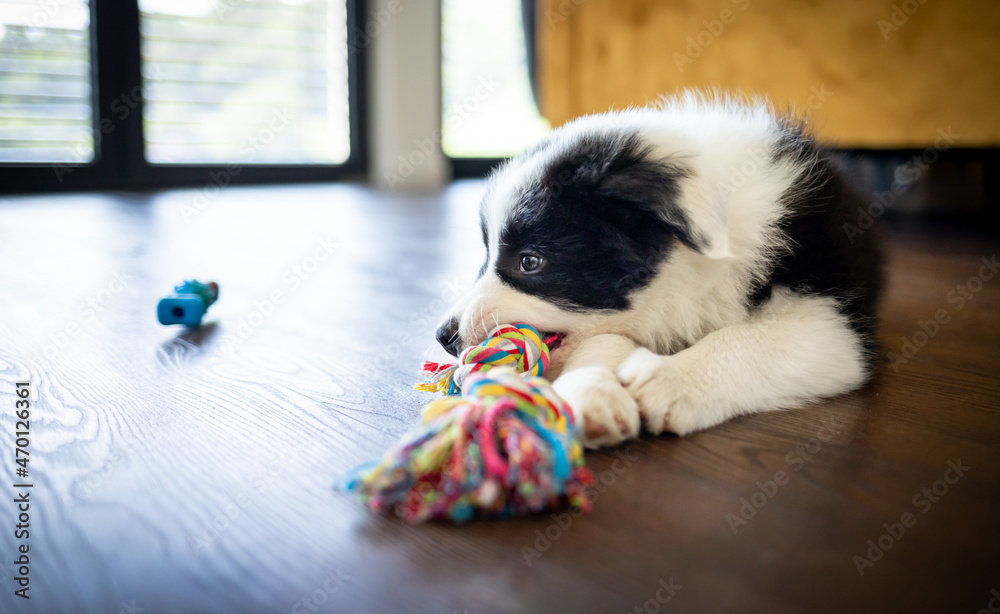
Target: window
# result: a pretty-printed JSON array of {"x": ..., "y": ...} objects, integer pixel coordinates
[
  {"x": 46, "y": 113},
  {"x": 488, "y": 109},
  {"x": 246, "y": 82},
  {"x": 149, "y": 93}
]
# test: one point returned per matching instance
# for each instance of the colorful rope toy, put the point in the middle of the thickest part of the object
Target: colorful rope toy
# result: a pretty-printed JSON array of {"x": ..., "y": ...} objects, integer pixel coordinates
[
  {"x": 505, "y": 446},
  {"x": 188, "y": 303},
  {"x": 516, "y": 345}
]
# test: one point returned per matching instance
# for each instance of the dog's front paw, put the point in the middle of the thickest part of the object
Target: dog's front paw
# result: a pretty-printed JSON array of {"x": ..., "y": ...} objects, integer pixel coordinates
[
  {"x": 661, "y": 392},
  {"x": 607, "y": 415}
]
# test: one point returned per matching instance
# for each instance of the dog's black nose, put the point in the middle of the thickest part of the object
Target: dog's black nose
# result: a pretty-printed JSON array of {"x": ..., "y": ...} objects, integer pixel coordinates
[{"x": 448, "y": 337}]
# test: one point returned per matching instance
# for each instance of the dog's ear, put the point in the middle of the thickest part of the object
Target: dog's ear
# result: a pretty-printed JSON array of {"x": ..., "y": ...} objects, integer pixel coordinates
[
  {"x": 623, "y": 175},
  {"x": 706, "y": 213},
  {"x": 698, "y": 214}
]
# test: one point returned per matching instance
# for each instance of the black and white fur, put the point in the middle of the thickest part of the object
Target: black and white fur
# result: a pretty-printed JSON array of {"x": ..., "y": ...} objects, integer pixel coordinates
[{"x": 694, "y": 256}]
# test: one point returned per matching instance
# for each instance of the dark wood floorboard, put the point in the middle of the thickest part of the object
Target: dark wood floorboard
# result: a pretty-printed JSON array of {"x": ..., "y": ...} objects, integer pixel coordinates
[{"x": 190, "y": 472}]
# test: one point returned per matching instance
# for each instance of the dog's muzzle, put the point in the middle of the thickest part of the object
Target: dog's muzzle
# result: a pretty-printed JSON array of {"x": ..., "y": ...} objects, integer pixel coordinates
[{"x": 448, "y": 337}]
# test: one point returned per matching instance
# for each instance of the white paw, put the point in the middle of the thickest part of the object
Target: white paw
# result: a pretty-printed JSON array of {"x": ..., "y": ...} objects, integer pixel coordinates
[
  {"x": 605, "y": 413},
  {"x": 658, "y": 387}
]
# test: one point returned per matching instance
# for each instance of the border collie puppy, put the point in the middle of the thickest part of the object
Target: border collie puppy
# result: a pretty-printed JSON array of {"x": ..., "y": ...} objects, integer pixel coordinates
[{"x": 693, "y": 258}]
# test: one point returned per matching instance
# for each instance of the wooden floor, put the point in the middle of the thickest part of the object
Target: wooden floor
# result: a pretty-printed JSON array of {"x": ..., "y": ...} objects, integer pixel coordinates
[{"x": 191, "y": 472}]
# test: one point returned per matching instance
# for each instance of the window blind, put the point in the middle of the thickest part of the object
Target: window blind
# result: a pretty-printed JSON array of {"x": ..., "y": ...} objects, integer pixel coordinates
[
  {"x": 46, "y": 110},
  {"x": 245, "y": 81}
]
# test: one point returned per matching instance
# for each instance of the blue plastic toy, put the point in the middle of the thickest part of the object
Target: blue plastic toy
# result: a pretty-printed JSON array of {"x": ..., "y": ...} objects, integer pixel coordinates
[{"x": 188, "y": 303}]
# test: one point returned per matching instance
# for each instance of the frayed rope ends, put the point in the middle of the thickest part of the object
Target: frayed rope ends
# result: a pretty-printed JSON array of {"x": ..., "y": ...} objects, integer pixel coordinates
[{"x": 506, "y": 446}]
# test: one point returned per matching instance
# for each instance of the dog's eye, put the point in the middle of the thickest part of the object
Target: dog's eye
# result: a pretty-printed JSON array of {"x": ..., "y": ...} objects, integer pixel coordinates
[{"x": 531, "y": 263}]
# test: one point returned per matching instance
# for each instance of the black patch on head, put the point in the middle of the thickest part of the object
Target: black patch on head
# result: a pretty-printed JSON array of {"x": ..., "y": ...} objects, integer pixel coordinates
[
  {"x": 825, "y": 256},
  {"x": 486, "y": 242},
  {"x": 603, "y": 215}
]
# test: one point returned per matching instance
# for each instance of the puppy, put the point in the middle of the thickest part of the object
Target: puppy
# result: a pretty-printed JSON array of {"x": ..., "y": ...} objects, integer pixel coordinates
[{"x": 695, "y": 257}]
